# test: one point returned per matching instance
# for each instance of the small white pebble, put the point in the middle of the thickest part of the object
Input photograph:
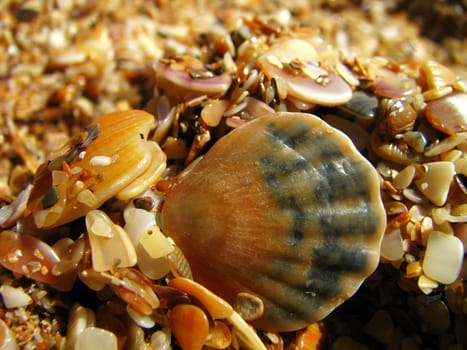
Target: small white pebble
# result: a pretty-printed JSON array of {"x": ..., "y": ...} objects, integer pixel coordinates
[{"x": 443, "y": 257}]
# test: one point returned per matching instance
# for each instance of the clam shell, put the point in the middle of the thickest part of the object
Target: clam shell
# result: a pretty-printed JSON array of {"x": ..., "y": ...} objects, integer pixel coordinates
[{"x": 285, "y": 208}]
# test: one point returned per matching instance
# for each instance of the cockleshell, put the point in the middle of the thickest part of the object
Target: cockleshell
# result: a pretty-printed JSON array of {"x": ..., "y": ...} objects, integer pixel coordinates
[
  {"x": 284, "y": 208},
  {"x": 111, "y": 158}
]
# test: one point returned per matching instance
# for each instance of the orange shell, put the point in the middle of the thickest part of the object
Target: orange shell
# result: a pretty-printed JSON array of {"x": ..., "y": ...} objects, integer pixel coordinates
[{"x": 284, "y": 208}]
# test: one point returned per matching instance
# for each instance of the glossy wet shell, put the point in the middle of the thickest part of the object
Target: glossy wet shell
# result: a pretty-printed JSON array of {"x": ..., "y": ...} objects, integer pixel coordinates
[{"x": 283, "y": 207}]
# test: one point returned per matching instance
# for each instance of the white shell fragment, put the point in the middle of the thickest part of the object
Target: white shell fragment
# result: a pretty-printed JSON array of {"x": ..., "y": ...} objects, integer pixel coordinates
[
  {"x": 110, "y": 245},
  {"x": 426, "y": 284},
  {"x": 443, "y": 258},
  {"x": 155, "y": 243},
  {"x": 391, "y": 247},
  {"x": 137, "y": 222},
  {"x": 80, "y": 318},
  {"x": 436, "y": 181},
  {"x": 13, "y": 211},
  {"x": 96, "y": 338},
  {"x": 144, "y": 321},
  {"x": 14, "y": 297},
  {"x": 7, "y": 338}
]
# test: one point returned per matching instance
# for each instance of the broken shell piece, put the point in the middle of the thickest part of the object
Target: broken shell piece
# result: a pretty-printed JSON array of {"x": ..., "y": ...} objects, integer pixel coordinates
[
  {"x": 245, "y": 334},
  {"x": 249, "y": 306},
  {"x": 426, "y": 284},
  {"x": 7, "y": 337},
  {"x": 294, "y": 61},
  {"x": 187, "y": 79},
  {"x": 217, "y": 307},
  {"x": 436, "y": 75},
  {"x": 135, "y": 289},
  {"x": 404, "y": 178},
  {"x": 393, "y": 85},
  {"x": 310, "y": 338},
  {"x": 60, "y": 196},
  {"x": 144, "y": 321},
  {"x": 391, "y": 248},
  {"x": 298, "y": 221},
  {"x": 28, "y": 256},
  {"x": 220, "y": 336},
  {"x": 110, "y": 245},
  {"x": 10, "y": 213},
  {"x": 96, "y": 338},
  {"x": 443, "y": 258},
  {"x": 80, "y": 318},
  {"x": 14, "y": 297},
  {"x": 436, "y": 181},
  {"x": 212, "y": 113},
  {"x": 448, "y": 114},
  {"x": 190, "y": 325}
]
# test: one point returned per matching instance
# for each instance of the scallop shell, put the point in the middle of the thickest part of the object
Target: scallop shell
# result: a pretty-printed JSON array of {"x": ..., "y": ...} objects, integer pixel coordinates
[{"x": 284, "y": 208}]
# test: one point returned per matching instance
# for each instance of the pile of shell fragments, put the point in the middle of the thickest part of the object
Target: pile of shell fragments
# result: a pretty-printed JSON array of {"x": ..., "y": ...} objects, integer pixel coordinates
[{"x": 82, "y": 271}]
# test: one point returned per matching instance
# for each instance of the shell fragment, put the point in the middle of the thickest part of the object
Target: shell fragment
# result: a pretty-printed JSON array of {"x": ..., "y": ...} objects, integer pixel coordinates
[
  {"x": 436, "y": 181},
  {"x": 443, "y": 258}
]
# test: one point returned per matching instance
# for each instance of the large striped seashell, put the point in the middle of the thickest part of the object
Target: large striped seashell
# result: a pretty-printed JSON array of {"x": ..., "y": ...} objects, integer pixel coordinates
[{"x": 284, "y": 208}]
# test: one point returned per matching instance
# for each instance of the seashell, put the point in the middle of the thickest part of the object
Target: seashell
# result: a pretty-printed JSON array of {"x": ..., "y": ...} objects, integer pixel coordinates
[
  {"x": 310, "y": 338},
  {"x": 112, "y": 158},
  {"x": 294, "y": 61},
  {"x": 110, "y": 245},
  {"x": 244, "y": 334},
  {"x": 28, "y": 256},
  {"x": 394, "y": 85},
  {"x": 135, "y": 289},
  {"x": 435, "y": 75},
  {"x": 249, "y": 306},
  {"x": 216, "y": 307},
  {"x": 400, "y": 117},
  {"x": 219, "y": 336},
  {"x": 363, "y": 106},
  {"x": 96, "y": 338},
  {"x": 7, "y": 337},
  {"x": 80, "y": 318},
  {"x": 448, "y": 114},
  {"x": 269, "y": 211},
  {"x": 393, "y": 150},
  {"x": 443, "y": 258},
  {"x": 186, "y": 78},
  {"x": 14, "y": 297},
  {"x": 436, "y": 181},
  {"x": 190, "y": 325}
]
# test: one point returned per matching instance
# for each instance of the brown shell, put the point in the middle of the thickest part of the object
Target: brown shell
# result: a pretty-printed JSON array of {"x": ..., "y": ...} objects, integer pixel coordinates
[{"x": 284, "y": 208}]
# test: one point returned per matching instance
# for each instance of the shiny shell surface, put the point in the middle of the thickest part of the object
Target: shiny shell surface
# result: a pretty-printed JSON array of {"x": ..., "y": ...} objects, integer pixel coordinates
[{"x": 284, "y": 208}]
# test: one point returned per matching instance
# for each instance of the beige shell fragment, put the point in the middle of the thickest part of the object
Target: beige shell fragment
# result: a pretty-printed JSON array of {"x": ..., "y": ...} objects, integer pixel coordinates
[
  {"x": 436, "y": 181},
  {"x": 110, "y": 245},
  {"x": 443, "y": 258}
]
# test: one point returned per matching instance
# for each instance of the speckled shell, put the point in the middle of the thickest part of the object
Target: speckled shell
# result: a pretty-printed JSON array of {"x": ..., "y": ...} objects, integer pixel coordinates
[{"x": 285, "y": 208}]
